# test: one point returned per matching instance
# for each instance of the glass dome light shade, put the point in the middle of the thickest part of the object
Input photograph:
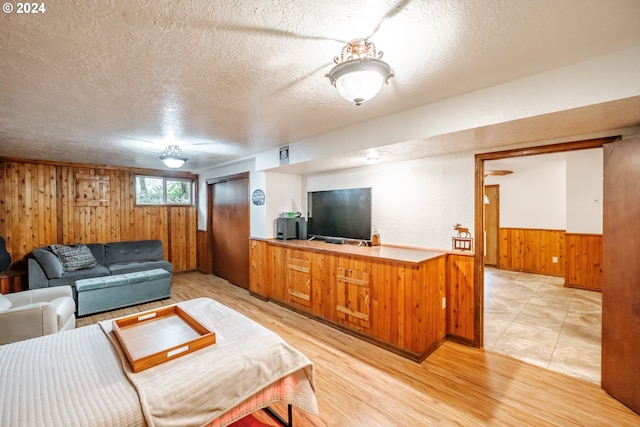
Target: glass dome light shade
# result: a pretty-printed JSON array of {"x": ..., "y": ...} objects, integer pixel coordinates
[
  {"x": 173, "y": 157},
  {"x": 359, "y": 80}
]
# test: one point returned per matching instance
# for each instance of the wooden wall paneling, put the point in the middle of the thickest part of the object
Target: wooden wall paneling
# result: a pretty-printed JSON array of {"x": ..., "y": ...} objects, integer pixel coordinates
[
  {"x": 39, "y": 207},
  {"x": 460, "y": 297},
  {"x": 182, "y": 237},
  {"x": 127, "y": 208},
  {"x": 532, "y": 250},
  {"x": 203, "y": 251},
  {"x": 583, "y": 261},
  {"x": 3, "y": 205},
  {"x": 18, "y": 211},
  {"x": 258, "y": 280},
  {"x": 27, "y": 182}
]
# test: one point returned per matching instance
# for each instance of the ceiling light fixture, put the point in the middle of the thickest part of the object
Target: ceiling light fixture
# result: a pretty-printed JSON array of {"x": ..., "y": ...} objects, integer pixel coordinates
[
  {"x": 173, "y": 157},
  {"x": 359, "y": 72}
]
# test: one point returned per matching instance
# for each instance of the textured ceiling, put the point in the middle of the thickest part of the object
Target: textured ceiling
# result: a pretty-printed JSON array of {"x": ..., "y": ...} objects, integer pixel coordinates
[{"x": 114, "y": 82}]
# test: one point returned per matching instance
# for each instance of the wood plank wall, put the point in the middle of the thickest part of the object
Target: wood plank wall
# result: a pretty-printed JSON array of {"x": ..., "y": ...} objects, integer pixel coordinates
[
  {"x": 39, "y": 206},
  {"x": 532, "y": 251},
  {"x": 203, "y": 252},
  {"x": 583, "y": 261}
]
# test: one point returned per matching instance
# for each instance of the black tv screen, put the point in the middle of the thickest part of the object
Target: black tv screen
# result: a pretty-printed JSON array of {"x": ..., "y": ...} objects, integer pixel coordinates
[{"x": 340, "y": 213}]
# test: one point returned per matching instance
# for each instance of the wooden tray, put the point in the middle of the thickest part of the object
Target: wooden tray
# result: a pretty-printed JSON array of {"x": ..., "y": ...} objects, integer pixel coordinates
[{"x": 156, "y": 336}]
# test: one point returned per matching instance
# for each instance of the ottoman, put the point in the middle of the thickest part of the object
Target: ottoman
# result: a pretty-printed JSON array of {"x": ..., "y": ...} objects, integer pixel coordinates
[{"x": 106, "y": 293}]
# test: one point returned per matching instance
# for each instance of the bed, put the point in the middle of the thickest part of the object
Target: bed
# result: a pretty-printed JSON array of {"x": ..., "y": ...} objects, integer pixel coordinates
[{"x": 81, "y": 378}]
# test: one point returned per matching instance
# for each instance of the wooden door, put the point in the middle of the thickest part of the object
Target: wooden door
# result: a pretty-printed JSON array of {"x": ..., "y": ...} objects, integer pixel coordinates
[
  {"x": 491, "y": 224},
  {"x": 229, "y": 229},
  {"x": 621, "y": 272}
]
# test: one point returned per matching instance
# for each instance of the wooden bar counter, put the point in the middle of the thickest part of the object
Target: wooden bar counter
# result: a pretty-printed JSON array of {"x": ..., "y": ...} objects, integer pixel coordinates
[{"x": 394, "y": 297}]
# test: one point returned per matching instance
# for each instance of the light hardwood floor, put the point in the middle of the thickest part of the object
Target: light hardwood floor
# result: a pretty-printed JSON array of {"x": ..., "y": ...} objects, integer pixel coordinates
[{"x": 360, "y": 384}]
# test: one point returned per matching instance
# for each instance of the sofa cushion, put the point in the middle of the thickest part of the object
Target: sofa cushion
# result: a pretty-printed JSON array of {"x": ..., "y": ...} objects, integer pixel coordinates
[
  {"x": 5, "y": 304},
  {"x": 140, "y": 250},
  {"x": 132, "y": 267},
  {"x": 49, "y": 262},
  {"x": 97, "y": 249},
  {"x": 70, "y": 277},
  {"x": 74, "y": 257}
]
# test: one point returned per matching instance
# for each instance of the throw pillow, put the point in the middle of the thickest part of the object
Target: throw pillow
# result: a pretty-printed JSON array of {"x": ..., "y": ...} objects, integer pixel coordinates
[
  {"x": 5, "y": 304},
  {"x": 74, "y": 257}
]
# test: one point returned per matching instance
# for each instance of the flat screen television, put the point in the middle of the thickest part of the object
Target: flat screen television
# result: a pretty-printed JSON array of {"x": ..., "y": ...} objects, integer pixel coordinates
[{"x": 339, "y": 214}]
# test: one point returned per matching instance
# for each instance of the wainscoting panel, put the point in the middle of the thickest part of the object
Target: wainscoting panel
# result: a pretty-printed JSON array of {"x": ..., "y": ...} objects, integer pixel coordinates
[
  {"x": 532, "y": 250},
  {"x": 583, "y": 261}
]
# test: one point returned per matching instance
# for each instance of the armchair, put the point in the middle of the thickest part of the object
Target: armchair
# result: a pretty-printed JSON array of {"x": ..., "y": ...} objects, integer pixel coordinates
[{"x": 35, "y": 313}]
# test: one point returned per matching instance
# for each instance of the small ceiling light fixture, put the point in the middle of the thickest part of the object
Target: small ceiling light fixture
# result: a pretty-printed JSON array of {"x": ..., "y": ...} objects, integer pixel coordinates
[
  {"x": 359, "y": 72},
  {"x": 373, "y": 158},
  {"x": 173, "y": 157}
]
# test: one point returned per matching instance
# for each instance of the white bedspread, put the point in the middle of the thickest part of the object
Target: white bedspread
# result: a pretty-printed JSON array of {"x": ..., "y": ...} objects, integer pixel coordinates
[
  {"x": 76, "y": 378},
  {"x": 70, "y": 378}
]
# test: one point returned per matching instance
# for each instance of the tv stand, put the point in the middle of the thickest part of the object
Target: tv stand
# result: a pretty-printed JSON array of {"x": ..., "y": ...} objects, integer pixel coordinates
[
  {"x": 335, "y": 240},
  {"x": 395, "y": 297}
]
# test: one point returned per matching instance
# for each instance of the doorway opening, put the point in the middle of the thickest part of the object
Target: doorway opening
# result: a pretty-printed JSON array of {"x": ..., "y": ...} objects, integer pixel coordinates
[{"x": 532, "y": 317}]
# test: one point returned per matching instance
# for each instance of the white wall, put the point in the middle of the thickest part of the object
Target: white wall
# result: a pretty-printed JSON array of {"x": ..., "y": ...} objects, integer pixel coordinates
[
  {"x": 219, "y": 172},
  {"x": 584, "y": 191},
  {"x": 534, "y": 196},
  {"x": 283, "y": 194},
  {"x": 415, "y": 203}
]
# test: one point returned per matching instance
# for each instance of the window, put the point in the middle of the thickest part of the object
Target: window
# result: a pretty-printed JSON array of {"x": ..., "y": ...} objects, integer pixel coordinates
[{"x": 154, "y": 190}]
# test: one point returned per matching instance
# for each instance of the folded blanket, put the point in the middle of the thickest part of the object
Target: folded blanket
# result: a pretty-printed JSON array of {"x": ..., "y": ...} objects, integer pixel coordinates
[{"x": 194, "y": 389}]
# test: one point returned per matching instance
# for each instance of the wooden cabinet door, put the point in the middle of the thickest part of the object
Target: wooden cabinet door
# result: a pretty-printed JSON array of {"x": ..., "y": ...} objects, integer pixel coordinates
[
  {"x": 621, "y": 272},
  {"x": 353, "y": 296},
  {"x": 299, "y": 278}
]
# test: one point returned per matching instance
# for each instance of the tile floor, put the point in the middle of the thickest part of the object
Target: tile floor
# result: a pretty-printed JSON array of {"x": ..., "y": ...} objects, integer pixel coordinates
[{"x": 534, "y": 318}]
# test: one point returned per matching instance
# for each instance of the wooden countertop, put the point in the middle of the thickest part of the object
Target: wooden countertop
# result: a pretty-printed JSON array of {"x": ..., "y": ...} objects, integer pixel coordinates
[{"x": 392, "y": 253}]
